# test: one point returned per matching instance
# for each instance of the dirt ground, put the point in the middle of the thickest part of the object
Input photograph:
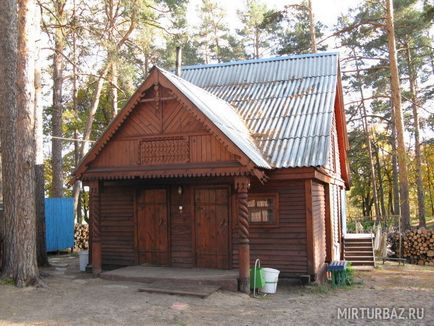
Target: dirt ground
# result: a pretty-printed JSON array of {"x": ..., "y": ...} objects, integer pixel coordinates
[{"x": 74, "y": 298}]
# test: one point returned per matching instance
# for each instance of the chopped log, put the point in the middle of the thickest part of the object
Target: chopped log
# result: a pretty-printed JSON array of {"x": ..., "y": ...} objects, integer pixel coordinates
[
  {"x": 417, "y": 246},
  {"x": 81, "y": 236}
]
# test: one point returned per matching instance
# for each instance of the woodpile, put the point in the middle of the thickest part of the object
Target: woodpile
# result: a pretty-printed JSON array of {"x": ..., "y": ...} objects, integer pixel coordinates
[
  {"x": 81, "y": 236},
  {"x": 417, "y": 246}
]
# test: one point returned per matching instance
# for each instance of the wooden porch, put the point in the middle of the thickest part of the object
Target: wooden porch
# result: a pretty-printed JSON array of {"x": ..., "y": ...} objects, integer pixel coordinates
[{"x": 175, "y": 277}]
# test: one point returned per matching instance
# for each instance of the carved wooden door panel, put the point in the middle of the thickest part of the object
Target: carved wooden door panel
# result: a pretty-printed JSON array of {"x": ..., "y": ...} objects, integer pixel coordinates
[
  {"x": 212, "y": 227},
  {"x": 152, "y": 227}
]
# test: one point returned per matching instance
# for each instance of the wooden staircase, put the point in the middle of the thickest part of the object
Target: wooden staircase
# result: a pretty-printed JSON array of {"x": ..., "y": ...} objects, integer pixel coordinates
[{"x": 358, "y": 249}]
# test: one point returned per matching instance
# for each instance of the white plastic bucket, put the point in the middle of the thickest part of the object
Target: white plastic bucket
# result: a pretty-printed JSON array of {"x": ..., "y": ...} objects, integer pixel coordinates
[
  {"x": 271, "y": 276},
  {"x": 84, "y": 259}
]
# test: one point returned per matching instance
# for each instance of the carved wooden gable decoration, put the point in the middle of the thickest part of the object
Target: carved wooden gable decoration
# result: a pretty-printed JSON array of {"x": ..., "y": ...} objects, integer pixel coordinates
[
  {"x": 164, "y": 150},
  {"x": 158, "y": 134}
]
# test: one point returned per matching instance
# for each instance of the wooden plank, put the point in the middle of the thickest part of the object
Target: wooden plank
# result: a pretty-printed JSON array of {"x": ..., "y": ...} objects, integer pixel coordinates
[
  {"x": 181, "y": 227},
  {"x": 328, "y": 224},
  {"x": 211, "y": 227},
  {"x": 195, "y": 290},
  {"x": 283, "y": 247},
  {"x": 309, "y": 228},
  {"x": 117, "y": 226},
  {"x": 153, "y": 238}
]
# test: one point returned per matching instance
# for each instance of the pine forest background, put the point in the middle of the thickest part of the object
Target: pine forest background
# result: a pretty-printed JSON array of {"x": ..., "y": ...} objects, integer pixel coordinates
[{"x": 95, "y": 54}]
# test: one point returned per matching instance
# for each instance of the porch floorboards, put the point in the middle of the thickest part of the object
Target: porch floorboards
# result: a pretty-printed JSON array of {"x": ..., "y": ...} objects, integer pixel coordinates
[{"x": 224, "y": 279}]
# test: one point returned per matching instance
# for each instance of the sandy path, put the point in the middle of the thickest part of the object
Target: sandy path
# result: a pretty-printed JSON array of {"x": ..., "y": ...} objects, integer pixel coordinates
[{"x": 74, "y": 298}]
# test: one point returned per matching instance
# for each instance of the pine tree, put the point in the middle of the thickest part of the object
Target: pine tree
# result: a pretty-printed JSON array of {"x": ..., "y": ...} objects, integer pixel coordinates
[
  {"x": 255, "y": 33},
  {"x": 17, "y": 96},
  {"x": 296, "y": 29},
  {"x": 213, "y": 31}
]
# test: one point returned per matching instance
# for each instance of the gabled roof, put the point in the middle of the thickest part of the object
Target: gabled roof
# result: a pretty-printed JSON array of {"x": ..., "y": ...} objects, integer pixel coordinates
[
  {"x": 222, "y": 115},
  {"x": 219, "y": 113},
  {"x": 287, "y": 103},
  {"x": 277, "y": 112}
]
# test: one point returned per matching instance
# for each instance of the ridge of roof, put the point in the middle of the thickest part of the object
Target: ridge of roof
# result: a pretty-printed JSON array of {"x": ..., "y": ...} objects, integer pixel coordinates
[{"x": 261, "y": 60}]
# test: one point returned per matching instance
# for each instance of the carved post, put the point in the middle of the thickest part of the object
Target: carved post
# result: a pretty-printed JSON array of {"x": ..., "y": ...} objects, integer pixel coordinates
[
  {"x": 95, "y": 221},
  {"x": 242, "y": 185}
]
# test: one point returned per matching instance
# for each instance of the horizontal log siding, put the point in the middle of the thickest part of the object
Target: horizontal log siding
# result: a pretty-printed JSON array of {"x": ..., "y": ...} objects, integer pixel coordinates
[
  {"x": 117, "y": 226},
  {"x": 284, "y": 246},
  {"x": 318, "y": 221}
]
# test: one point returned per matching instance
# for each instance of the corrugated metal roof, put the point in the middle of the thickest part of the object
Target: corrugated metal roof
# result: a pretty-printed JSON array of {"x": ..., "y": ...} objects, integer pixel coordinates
[
  {"x": 287, "y": 103},
  {"x": 222, "y": 114}
]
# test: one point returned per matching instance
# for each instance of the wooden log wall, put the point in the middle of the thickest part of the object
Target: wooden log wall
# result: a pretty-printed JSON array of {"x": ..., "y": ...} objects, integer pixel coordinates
[
  {"x": 117, "y": 226},
  {"x": 335, "y": 215},
  {"x": 281, "y": 246},
  {"x": 319, "y": 231}
]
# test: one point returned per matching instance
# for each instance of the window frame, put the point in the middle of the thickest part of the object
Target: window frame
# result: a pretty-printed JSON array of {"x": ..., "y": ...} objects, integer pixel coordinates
[{"x": 275, "y": 209}]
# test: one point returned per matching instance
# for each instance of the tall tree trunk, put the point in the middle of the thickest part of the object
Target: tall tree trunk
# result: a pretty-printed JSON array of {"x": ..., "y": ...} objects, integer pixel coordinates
[
  {"x": 380, "y": 181},
  {"x": 396, "y": 102},
  {"x": 430, "y": 186},
  {"x": 146, "y": 68},
  {"x": 39, "y": 153},
  {"x": 395, "y": 176},
  {"x": 8, "y": 118},
  {"x": 312, "y": 27},
  {"x": 77, "y": 184},
  {"x": 217, "y": 44},
  {"x": 390, "y": 197},
  {"x": 56, "y": 120},
  {"x": 368, "y": 140},
  {"x": 18, "y": 151},
  {"x": 257, "y": 43},
  {"x": 92, "y": 110},
  {"x": 114, "y": 88},
  {"x": 419, "y": 178},
  {"x": 1, "y": 182}
]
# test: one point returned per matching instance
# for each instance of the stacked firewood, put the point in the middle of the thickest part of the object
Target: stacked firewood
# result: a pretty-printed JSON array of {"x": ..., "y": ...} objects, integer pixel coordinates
[
  {"x": 81, "y": 236},
  {"x": 417, "y": 245}
]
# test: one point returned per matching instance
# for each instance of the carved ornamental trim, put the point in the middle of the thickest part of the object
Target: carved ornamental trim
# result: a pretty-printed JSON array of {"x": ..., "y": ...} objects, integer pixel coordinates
[{"x": 155, "y": 151}]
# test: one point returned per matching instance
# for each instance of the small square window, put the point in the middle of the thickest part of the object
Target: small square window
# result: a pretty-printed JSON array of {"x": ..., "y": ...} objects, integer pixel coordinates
[{"x": 262, "y": 208}]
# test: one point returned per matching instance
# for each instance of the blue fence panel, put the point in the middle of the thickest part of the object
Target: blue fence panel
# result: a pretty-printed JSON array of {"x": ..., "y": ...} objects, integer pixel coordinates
[{"x": 59, "y": 223}]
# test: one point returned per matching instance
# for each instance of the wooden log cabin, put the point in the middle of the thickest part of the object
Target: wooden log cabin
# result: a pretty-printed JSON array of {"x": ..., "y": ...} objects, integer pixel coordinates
[{"x": 229, "y": 163}]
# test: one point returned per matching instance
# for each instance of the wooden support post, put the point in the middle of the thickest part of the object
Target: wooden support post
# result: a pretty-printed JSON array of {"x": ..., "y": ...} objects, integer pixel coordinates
[
  {"x": 242, "y": 185},
  {"x": 328, "y": 224},
  {"x": 95, "y": 221}
]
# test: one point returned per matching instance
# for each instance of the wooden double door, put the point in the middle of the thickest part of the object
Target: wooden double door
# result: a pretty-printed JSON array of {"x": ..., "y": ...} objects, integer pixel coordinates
[
  {"x": 189, "y": 229},
  {"x": 152, "y": 227}
]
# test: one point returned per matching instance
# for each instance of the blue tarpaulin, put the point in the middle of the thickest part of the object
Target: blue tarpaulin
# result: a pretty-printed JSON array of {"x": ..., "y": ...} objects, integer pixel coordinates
[{"x": 59, "y": 223}]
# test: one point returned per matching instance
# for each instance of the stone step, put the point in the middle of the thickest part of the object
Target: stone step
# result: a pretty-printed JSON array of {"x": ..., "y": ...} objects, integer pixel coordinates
[
  {"x": 358, "y": 253},
  {"x": 224, "y": 279},
  {"x": 357, "y": 240},
  {"x": 359, "y": 258},
  {"x": 363, "y": 263},
  {"x": 196, "y": 290},
  {"x": 358, "y": 244},
  {"x": 358, "y": 249}
]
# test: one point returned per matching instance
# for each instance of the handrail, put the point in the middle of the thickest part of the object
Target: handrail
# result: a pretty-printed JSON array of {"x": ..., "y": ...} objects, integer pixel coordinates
[{"x": 257, "y": 263}]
